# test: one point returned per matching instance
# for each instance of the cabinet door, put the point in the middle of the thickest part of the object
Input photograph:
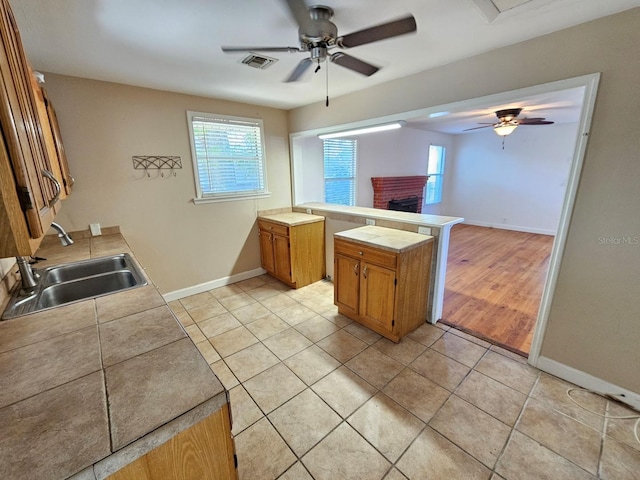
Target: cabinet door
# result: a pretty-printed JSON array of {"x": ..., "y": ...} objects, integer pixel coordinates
[
  {"x": 67, "y": 179},
  {"x": 266, "y": 251},
  {"x": 346, "y": 277},
  {"x": 377, "y": 295},
  {"x": 204, "y": 451},
  {"x": 49, "y": 140},
  {"x": 22, "y": 129},
  {"x": 282, "y": 252}
]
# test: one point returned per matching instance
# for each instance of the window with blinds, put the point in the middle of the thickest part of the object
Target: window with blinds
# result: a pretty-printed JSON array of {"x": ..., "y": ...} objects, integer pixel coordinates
[
  {"x": 435, "y": 170},
  {"x": 228, "y": 158},
  {"x": 340, "y": 171}
]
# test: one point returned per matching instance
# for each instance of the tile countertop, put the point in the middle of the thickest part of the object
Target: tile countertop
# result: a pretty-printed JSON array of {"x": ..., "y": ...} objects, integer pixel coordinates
[
  {"x": 58, "y": 367},
  {"x": 421, "y": 219},
  {"x": 390, "y": 239},
  {"x": 292, "y": 218}
]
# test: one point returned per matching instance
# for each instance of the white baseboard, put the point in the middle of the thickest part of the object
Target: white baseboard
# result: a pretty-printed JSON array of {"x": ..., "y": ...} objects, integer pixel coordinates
[
  {"x": 515, "y": 228},
  {"x": 589, "y": 382},
  {"x": 203, "y": 287}
]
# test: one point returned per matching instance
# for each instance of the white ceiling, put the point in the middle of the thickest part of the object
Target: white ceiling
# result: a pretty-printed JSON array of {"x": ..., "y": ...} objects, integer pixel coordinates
[
  {"x": 175, "y": 45},
  {"x": 560, "y": 107}
]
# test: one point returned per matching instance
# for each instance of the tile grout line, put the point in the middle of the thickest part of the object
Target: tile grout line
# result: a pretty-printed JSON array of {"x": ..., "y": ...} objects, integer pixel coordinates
[
  {"x": 529, "y": 395},
  {"x": 515, "y": 423}
]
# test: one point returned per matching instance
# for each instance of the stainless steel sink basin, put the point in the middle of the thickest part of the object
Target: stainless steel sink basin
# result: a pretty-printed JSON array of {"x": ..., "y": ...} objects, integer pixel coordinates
[
  {"x": 83, "y": 269},
  {"x": 72, "y": 282}
]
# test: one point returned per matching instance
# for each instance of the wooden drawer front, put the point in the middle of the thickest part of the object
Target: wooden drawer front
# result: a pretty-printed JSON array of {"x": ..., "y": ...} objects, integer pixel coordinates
[
  {"x": 369, "y": 254},
  {"x": 274, "y": 227}
]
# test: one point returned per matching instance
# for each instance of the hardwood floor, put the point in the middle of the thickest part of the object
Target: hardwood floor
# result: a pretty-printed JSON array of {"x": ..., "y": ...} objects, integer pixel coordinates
[{"x": 494, "y": 283}]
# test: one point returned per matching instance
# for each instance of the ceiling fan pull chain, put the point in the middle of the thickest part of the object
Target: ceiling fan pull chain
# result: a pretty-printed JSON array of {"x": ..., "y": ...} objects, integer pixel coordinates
[{"x": 327, "y": 75}]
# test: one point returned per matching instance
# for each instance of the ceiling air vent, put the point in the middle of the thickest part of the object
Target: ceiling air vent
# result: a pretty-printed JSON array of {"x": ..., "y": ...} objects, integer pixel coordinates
[{"x": 259, "y": 61}]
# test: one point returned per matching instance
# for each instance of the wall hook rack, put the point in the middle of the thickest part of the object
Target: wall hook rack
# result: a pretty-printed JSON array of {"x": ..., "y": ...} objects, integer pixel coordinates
[{"x": 155, "y": 162}]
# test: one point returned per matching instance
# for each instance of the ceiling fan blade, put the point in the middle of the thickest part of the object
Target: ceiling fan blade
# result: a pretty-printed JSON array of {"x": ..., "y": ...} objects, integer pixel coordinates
[
  {"x": 534, "y": 121},
  {"x": 302, "y": 67},
  {"x": 354, "y": 64},
  {"x": 476, "y": 128},
  {"x": 378, "y": 32},
  {"x": 300, "y": 12},
  {"x": 261, "y": 49}
]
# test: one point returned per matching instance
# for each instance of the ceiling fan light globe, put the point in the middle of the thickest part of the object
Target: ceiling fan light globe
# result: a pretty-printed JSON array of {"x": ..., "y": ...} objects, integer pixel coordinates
[{"x": 504, "y": 129}]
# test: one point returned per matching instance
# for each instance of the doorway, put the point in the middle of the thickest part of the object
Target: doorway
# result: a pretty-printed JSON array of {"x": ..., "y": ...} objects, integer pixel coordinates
[
  {"x": 494, "y": 284},
  {"x": 303, "y": 173}
]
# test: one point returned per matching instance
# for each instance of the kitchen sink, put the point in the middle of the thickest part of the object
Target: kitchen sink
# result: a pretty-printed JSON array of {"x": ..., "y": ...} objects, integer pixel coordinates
[
  {"x": 76, "y": 281},
  {"x": 83, "y": 269}
]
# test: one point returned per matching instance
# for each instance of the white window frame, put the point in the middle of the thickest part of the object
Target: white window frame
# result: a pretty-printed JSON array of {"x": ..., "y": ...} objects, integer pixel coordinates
[
  {"x": 227, "y": 196},
  {"x": 354, "y": 179},
  {"x": 439, "y": 177}
]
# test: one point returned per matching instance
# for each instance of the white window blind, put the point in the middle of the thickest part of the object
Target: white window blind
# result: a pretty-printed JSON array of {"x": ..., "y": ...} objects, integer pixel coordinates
[
  {"x": 340, "y": 171},
  {"x": 228, "y": 157},
  {"x": 435, "y": 170}
]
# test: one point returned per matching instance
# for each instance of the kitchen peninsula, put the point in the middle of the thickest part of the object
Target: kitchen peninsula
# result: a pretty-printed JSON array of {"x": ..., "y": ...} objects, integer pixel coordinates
[{"x": 340, "y": 217}]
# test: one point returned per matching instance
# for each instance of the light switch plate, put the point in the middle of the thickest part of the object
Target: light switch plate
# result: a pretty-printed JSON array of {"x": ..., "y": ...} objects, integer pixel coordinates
[
  {"x": 370, "y": 221},
  {"x": 95, "y": 229},
  {"x": 424, "y": 230}
]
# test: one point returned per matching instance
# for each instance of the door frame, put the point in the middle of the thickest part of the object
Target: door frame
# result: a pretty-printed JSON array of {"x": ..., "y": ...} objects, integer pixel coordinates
[{"x": 588, "y": 82}]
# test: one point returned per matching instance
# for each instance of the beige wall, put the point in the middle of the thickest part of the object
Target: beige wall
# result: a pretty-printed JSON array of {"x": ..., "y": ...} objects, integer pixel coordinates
[
  {"x": 594, "y": 323},
  {"x": 180, "y": 244}
]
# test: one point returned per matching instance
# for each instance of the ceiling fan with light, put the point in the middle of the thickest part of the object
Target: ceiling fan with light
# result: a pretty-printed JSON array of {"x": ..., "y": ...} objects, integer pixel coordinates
[
  {"x": 508, "y": 121},
  {"x": 318, "y": 35}
]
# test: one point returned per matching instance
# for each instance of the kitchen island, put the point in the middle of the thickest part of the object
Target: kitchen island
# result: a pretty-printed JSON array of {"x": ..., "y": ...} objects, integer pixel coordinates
[
  {"x": 106, "y": 387},
  {"x": 340, "y": 217}
]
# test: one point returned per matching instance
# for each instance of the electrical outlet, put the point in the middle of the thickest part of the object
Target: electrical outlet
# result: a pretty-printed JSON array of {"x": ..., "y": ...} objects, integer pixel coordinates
[
  {"x": 95, "y": 229},
  {"x": 370, "y": 221},
  {"x": 424, "y": 230},
  {"x": 309, "y": 211}
]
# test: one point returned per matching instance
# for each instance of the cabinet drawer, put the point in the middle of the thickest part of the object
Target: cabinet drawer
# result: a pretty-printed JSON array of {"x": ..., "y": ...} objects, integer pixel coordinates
[
  {"x": 273, "y": 227},
  {"x": 373, "y": 255}
]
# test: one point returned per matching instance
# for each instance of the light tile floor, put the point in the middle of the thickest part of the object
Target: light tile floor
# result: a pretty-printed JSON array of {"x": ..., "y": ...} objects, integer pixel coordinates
[{"x": 315, "y": 395}]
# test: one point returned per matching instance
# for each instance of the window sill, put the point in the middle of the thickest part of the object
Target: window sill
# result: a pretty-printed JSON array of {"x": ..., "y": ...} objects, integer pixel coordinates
[{"x": 230, "y": 198}]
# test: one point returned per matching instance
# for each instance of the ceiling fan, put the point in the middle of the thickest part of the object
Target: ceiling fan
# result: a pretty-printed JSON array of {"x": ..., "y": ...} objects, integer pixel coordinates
[
  {"x": 508, "y": 121},
  {"x": 318, "y": 35}
]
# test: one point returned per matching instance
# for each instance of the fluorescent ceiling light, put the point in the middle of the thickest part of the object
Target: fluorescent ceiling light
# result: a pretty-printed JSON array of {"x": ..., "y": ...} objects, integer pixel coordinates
[{"x": 363, "y": 130}]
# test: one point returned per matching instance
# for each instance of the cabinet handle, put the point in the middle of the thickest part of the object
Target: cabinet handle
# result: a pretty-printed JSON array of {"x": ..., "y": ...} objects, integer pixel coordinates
[
  {"x": 364, "y": 272},
  {"x": 56, "y": 186},
  {"x": 355, "y": 268},
  {"x": 360, "y": 253}
]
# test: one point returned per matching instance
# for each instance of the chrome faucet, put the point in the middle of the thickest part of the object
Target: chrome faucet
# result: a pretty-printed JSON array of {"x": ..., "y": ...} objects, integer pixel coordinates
[
  {"x": 28, "y": 275},
  {"x": 64, "y": 237}
]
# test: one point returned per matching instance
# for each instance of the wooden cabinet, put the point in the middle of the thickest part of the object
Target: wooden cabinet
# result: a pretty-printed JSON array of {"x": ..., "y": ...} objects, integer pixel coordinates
[
  {"x": 203, "y": 452},
  {"x": 383, "y": 282},
  {"x": 31, "y": 173},
  {"x": 292, "y": 247}
]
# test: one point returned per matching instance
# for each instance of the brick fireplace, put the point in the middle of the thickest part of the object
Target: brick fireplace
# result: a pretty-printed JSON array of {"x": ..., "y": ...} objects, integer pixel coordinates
[{"x": 397, "y": 188}]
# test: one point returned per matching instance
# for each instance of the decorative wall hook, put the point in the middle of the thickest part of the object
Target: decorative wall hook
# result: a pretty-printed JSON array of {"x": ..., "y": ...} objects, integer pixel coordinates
[{"x": 157, "y": 163}]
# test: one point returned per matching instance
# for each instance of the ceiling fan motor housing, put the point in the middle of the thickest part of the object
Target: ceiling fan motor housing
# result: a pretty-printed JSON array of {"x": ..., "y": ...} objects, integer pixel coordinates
[
  {"x": 320, "y": 31},
  {"x": 508, "y": 115}
]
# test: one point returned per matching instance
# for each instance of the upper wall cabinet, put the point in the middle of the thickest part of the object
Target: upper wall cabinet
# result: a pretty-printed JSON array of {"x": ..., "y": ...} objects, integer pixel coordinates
[{"x": 33, "y": 169}]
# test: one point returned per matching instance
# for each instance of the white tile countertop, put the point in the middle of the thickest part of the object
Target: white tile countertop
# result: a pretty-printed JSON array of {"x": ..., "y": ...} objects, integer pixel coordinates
[
  {"x": 292, "y": 218},
  {"x": 377, "y": 213},
  {"x": 386, "y": 238}
]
